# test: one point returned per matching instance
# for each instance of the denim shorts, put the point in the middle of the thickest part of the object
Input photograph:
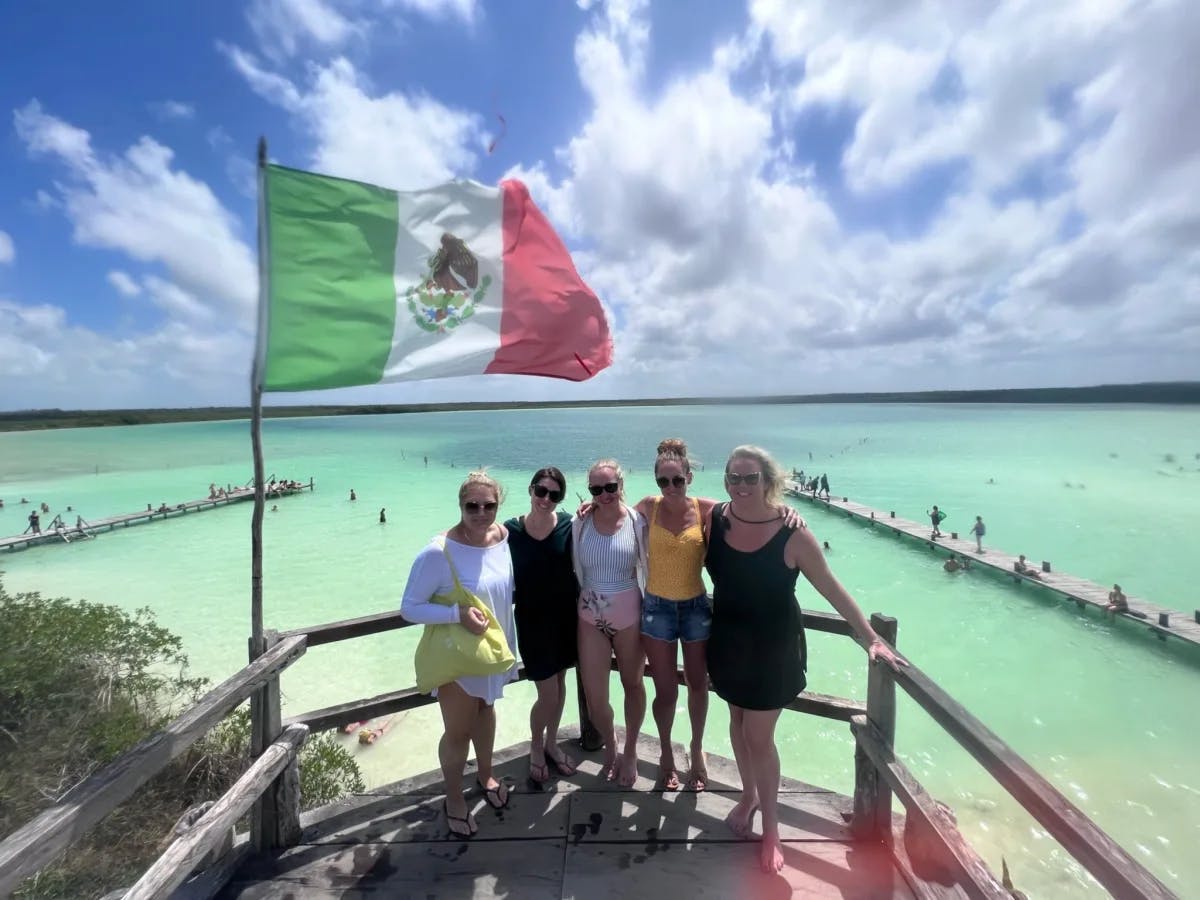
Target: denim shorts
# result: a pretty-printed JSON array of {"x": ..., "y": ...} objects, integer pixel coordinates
[{"x": 676, "y": 620}]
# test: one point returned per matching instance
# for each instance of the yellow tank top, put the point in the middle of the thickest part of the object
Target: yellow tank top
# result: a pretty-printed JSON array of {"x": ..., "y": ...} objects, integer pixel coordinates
[{"x": 676, "y": 559}]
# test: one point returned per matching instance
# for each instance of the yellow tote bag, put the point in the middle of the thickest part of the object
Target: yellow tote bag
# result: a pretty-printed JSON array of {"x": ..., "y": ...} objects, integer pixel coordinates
[{"x": 447, "y": 652}]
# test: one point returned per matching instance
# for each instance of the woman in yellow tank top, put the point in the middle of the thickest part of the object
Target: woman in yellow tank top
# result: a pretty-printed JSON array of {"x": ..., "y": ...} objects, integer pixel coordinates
[{"x": 675, "y": 607}]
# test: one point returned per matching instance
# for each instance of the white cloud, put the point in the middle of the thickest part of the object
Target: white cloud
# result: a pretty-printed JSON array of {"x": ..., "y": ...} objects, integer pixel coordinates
[
  {"x": 394, "y": 139},
  {"x": 7, "y": 251},
  {"x": 139, "y": 204},
  {"x": 285, "y": 28},
  {"x": 124, "y": 284},
  {"x": 173, "y": 109}
]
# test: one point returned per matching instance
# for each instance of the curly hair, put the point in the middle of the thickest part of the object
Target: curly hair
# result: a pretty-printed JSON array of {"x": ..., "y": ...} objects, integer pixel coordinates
[{"x": 673, "y": 450}]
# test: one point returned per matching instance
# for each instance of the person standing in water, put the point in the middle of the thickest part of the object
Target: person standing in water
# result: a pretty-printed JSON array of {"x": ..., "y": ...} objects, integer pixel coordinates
[{"x": 756, "y": 651}]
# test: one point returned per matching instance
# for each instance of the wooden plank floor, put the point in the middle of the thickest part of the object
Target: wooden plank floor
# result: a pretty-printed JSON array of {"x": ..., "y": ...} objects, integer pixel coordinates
[
  {"x": 578, "y": 838},
  {"x": 93, "y": 527},
  {"x": 1080, "y": 590}
]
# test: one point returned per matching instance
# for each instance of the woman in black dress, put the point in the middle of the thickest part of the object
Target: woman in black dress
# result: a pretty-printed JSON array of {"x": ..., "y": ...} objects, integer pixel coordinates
[
  {"x": 544, "y": 600},
  {"x": 756, "y": 650}
]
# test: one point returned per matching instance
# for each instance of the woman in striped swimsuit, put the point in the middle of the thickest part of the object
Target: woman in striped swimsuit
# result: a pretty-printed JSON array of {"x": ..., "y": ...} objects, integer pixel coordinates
[{"x": 609, "y": 554}]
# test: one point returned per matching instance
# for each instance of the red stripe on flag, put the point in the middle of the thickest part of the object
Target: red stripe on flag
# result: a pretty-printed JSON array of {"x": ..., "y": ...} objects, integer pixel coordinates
[{"x": 551, "y": 324}]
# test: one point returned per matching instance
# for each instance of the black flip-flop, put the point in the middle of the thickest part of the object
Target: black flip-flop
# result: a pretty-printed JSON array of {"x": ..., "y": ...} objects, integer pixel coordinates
[
  {"x": 497, "y": 797},
  {"x": 466, "y": 820}
]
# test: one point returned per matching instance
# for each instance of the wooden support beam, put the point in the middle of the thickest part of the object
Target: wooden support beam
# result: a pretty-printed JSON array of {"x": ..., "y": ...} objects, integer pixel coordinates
[
  {"x": 350, "y": 628},
  {"x": 934, "y": 828},
  {"x": 39, "y": 841},
  {"x": 265, "y": 726},
  {"x": 185, "y": 853}
]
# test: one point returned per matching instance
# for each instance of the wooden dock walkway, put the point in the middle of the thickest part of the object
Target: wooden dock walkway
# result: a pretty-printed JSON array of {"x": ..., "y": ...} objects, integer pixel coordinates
[
  {"x": 1160, "y": 620},
  {"x": 89, "y": 529}
]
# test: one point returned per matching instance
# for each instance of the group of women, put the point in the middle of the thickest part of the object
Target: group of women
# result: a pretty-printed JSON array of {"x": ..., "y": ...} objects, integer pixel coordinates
[{"x": 626, "y": 580}]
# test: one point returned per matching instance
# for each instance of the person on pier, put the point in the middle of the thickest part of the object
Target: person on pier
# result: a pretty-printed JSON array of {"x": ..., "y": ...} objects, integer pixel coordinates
[
  {"x": 757, "y": 652},
  {"x": 477, "y": 548},
  {"x": 609, "y": 554},
  {"x": 545, "y": 593},
  {"x": 1117, "y": 601}
]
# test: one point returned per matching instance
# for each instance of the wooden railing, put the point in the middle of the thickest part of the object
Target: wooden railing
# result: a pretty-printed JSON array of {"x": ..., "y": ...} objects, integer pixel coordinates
[
  {"x": 48, "y": 835},
  {"x": 931, "y": 841}
]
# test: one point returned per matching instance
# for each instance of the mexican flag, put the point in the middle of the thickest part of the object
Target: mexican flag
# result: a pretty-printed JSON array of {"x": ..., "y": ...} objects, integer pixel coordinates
[{"x": 363, "y": 285}]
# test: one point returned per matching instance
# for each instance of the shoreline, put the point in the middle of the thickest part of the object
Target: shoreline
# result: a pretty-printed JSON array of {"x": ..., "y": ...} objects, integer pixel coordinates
[{"x": 1174, "y": 393}]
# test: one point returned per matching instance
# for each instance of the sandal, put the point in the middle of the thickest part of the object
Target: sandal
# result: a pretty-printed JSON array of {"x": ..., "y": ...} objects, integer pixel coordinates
[
  {"x": 464, "y": 820},
  {"x": 668, "y": 778},
  {"x": 697, "y": 780},
  {"x": 497, "y": 797},
  {"x": 564, "y": 766},
  {"x": 539, "y": 774}
]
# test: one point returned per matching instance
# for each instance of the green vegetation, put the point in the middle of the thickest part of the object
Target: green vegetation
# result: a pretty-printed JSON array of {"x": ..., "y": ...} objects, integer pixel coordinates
[
  {"x": 1157, "y": 392},
  {"x": 82, "y": 682}
]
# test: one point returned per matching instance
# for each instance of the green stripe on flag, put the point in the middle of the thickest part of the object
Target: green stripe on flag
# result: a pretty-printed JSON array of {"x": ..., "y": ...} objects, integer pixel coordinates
[{"x": 331, "y": 254}]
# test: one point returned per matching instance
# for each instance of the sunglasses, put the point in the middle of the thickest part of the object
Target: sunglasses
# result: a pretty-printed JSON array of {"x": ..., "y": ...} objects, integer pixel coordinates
[
  {"x": 677, "y": 480},
  {"x": 542, "y": 492},
  {"x": 597, "y": 489},
  {"x": 748, "y": 478},
  {"x": 472, "y": 507}
]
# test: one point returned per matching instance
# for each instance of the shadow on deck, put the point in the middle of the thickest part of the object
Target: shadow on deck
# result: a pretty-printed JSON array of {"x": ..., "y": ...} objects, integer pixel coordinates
[{"x": 580, "y": 837}]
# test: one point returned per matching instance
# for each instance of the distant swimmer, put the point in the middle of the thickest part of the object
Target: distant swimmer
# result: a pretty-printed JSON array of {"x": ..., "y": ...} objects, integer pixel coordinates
[
  {"x": 383, "y": 516},
  {"x": 427, "y": 462},
  {"x": 825, "y": 546},
  {"x": 953, "y": 565},
  {"x": 274, "y": 507},
  {"x": 352, "y": 495}
]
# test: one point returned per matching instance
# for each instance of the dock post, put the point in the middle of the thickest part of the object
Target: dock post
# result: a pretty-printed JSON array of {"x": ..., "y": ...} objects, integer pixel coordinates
[
  {"x": 275, "y": 816},
  {"x": 1164, "y": 619},
  {"x": 1045, "y": 565},
  {"x": 954, "y": 535},
  {"x": 1198, "y": 617},
  {"x": 892, "y": 514},
  {"x": 872, "y": 796}
]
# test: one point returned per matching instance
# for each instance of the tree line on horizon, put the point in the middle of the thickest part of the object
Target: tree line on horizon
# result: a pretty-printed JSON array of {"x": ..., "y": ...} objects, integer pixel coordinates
[{"x": 1174, "y": 392}]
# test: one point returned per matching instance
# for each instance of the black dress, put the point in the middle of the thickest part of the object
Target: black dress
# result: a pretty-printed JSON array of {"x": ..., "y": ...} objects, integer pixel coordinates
[
  {"x": 756, "y": 651},
  {"x": 544, "y": 597}
]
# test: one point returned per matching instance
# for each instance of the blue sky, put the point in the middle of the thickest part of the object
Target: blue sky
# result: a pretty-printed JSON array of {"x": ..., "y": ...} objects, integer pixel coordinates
[{"x": 770, "y": 197}]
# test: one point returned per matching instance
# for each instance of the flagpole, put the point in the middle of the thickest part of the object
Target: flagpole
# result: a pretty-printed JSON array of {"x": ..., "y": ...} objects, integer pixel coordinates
[{"x": 256, "y": 520}]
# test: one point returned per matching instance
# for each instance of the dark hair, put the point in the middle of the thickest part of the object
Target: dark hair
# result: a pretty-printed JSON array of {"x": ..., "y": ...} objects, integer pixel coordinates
[
  {"x": 673, "y": 449},
  {"x": 553, "y": 474}
]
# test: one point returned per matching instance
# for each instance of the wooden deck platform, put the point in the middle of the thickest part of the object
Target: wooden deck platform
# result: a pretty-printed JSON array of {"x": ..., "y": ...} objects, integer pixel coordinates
[
  {"x": 1160, "y": 620},
  {"x": 579, "y": 837},
  {"x": 90, "y": 529}
]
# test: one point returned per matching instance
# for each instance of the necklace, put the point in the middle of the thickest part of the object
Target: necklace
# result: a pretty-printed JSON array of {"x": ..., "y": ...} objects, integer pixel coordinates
[{"x": 753, "y": 521}]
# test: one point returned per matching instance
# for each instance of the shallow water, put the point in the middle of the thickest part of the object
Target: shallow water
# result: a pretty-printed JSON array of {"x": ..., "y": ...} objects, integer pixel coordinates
[{"x": 1100, "y": 708}]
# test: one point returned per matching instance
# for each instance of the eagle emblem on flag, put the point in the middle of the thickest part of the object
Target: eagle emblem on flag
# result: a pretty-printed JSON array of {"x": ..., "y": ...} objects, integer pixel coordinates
[{"x": 446, "y": 297}]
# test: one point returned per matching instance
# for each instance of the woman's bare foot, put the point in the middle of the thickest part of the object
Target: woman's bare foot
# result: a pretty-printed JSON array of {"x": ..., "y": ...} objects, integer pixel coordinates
[
  {"x": 627, "y": 770},
  {"x": 563, "y": 763},
  {"x": 698, "y": 777},
  {"x": 741, "y": 818},
  {"x": 609, "y": 771},
  {"x": 770, "y": 856}
]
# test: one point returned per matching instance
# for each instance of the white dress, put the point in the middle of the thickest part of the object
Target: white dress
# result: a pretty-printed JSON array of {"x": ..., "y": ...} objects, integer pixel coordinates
[{"x": 486, "y": 572}]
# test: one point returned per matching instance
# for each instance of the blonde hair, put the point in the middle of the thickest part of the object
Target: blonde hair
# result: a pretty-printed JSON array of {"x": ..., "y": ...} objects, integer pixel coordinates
[
  {"x": 616, "y": 467},
  {"x": 673, "y": 450},
  {"x": 484, "y": 479},
  {"x": 772, "y": 475}
]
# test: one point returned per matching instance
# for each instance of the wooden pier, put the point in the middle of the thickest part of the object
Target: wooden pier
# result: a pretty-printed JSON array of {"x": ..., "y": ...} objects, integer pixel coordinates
[
  {"x": 1160, "y": 620},
  {"x": 82, "y": 530}
]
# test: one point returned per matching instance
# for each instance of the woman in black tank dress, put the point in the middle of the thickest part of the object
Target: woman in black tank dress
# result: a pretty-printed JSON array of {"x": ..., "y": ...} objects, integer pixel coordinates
[
  {"x": 756, "y": 650},
  {"x": 544, "y": 598}
]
